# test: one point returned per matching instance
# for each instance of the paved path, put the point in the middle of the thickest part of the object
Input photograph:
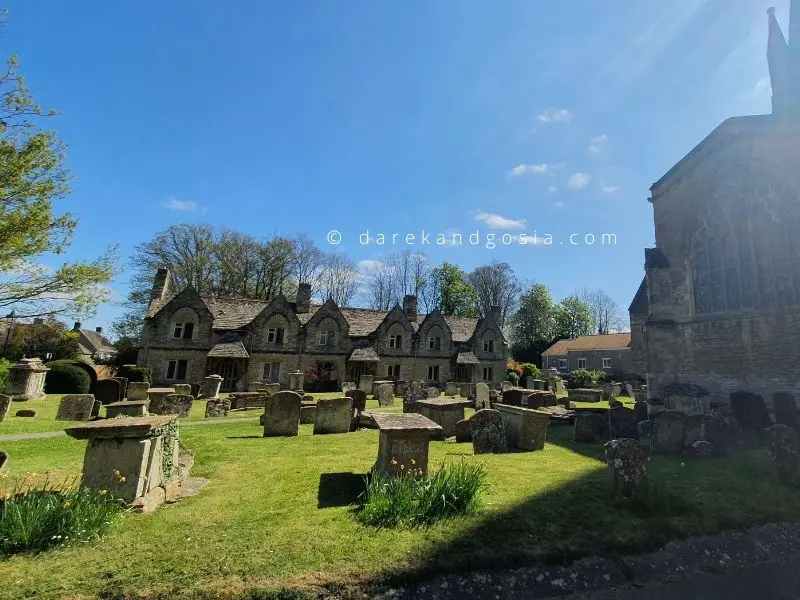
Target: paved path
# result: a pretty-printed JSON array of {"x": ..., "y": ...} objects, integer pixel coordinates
[{"x": 44, "y": 435}]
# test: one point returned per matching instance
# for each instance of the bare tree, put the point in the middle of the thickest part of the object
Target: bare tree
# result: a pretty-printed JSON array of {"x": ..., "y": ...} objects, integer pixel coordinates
[
  {"x": 307, "y": 260},
  {"x": 607, "y": 314},
  {"x": 381, "y": 285},
  {"x": 496, "y": 285},
  {"x": 340, "y": 279}
]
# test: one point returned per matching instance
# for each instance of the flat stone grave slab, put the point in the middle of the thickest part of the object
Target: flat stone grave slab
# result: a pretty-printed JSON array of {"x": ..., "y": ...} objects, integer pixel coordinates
[
  {"x": 585, "y": 395},
  {"x": 129, "y": 408},
  {"x": 159, "y": 392},
  {"x": 107, "y": 429},
  {"x": 403, "y": 443},
  {"x": 445, "y": 412}
]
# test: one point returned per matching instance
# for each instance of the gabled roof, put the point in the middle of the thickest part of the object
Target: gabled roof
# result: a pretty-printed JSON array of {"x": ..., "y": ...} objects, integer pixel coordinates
[
  {"x": 364, "y": 355},
  {"x": 97, "y": 342},
  {"x": 461, "y": 328},
  {"x": 639, "y": 306},
  {"x": 229, "y": 346},
  {"x": 610, "y": 341},
  {"x": 233, "y": 313}
]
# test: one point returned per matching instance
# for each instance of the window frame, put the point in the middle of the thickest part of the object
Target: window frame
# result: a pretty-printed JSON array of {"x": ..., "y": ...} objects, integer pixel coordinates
[
  {"x": 188, "y": 327},
  {"x": 396, "y": 341},
  {"x": 488, "y": 346},
  {"x": 606, "y": 362},
  {"x": 393, "y": 371},
  {"x": 490, "y": 371},
  {"x": 584, "y": 363},
  {"x": 266, "y": 372},
  {"x": 562, "y": 363},
  {"x": 433, "y": 372},
  {"x": 177, "y": 327},
  {"x": 176, "y": 363},
  {"x": 434, "y": 342}
]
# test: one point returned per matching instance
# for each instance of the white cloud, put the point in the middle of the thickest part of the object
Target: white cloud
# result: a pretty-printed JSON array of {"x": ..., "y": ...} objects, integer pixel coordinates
[
  {"x": 173, "y": 203},
  {"x": 598, "y": 144},
  {"x": 608, "y": 189},
  {"x": 555, "y": 115},
  {"x": 498, "y": 221},
  {"x": 540, "y": 169},
  {"x": 367, "y": 267},
  {"x": 552, "y": 189},
  {"x": 560, "y": 204},
  {"x": 578, "y": 181}
]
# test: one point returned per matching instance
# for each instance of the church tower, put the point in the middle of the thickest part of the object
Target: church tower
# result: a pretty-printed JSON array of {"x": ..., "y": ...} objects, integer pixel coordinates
[{"x": 784, "y": 63}]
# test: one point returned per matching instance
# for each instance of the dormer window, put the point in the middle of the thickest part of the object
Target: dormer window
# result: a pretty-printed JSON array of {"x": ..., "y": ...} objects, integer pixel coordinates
[
  {"x": 183, "y": 331},
  {"x": 435, "y": 343},
  {"x": 275, "y": 335},
  {"x": 488, "y": 346},
  {"x": 327, "y": 338},
  {"x": 395, "y": 341}
]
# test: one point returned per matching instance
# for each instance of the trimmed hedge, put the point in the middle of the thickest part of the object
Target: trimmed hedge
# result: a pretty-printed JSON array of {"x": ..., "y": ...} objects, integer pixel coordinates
[
  {"x": 133, "y": 373},
  {"x": 64, "y": 377}
]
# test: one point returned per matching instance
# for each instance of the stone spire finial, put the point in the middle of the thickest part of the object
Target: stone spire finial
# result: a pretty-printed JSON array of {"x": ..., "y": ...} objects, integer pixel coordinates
[{"x": 779, "y": 72}]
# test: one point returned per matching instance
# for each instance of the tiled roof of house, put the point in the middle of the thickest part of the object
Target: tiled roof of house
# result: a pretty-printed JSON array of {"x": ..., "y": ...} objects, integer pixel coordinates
[
  {"x": 462, "y": 327},
  {"x": 97, "y": 341},
  {"x": 363, "y": 321},
  {"x": 467, "y": 358},
  {"x": 233, "y": 313},
  {"x": 364, "y": 355},
  {"x": 610, "y": 341},
  {"x": 230, "y": 346}
]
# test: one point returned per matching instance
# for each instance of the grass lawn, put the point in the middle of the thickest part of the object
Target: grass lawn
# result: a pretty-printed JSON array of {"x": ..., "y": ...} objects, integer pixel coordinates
[{"x": 276, "y": 514}]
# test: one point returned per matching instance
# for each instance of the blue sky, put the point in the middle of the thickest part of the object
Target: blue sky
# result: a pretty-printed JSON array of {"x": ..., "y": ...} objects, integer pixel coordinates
[{"x": 446, "y": 115}]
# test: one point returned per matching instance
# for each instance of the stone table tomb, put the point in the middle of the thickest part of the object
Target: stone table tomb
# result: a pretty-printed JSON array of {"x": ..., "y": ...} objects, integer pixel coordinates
[
  {"x": 445, "y": 412},
  {"x": 403, "y": 443},
  {"x": 128, "y": 408},
  {"x": 526, "y": 429}
]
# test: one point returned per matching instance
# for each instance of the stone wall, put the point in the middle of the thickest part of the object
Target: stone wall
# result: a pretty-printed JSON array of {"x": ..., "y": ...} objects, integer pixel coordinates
[{"x": 620, "y": 360}]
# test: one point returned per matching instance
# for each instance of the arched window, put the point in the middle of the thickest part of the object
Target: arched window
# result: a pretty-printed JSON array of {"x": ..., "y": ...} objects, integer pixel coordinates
[{"x": 746, "y": 250}]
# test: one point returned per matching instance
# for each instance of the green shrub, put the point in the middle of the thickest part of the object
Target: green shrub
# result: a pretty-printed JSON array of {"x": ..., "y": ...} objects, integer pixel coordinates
[
  {"x": 136, "y": 373},
  {"x": 530, "y": 370},
  {"x": 582, "y": 378},
  {"x": 66, "y": 378},
  {"x": 512, "y": 377},
  {"x": 5, "y": 365},
  {"x": 411, "y": 501},
  {"x": 33, "y": 520}
]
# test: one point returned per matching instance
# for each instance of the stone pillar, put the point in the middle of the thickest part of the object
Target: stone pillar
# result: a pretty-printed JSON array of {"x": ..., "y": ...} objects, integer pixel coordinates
[
  {"x": 209, "y": 389},
  {"x": 296, "y": 381},
  {"x": 26, "y": 380}
]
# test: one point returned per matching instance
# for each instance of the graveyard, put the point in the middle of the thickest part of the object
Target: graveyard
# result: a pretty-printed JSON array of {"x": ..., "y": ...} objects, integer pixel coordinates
[{"x": 277, "y": 513}]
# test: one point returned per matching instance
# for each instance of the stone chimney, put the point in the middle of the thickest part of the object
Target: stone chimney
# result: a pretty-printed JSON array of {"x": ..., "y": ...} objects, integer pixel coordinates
[
  {"x": 98, "y": 329},
  {"x": 410, "y": 307},
  {"x": 303, "y": 298},
  {"x": 77, "y": 326},
  {"x": 160, "y": 284}
]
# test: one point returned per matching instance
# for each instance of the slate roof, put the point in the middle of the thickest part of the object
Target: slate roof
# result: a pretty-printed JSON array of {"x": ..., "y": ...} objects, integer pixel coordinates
[
  {"x": 233, "y": 313},
  {"x": 230, "y": 346},
  {"x": 467, "y": 358},
  {"x": 462, "y": 327},
  {"x": 97, "y": 342},
  {"x": 610, "y": 341},
  {"x": 364, "y": 355}
]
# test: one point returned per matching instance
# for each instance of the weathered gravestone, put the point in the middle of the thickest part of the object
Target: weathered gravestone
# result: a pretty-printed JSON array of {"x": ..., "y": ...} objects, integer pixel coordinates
[
  {"x": 127, "y": 408},
  {"x": 556, "y": 385},
  {"x": 123, "y": 385},
  {"x": 513, "y": 396},
  {"x": 359, "y": 399},
  {"x": 415, "y": 392},
  {"x": 494, "y": 396},
  {"x": 451, "y": 388},
  {"x": 137, "y": 390},
  {"x": 463, "y": 431},
  {"x": 695, "y": 429},
  {"x": 629, "y": 390},
  {"x": 482, "y": 400},
  {"x": 385, "y": 394},
  {"x": 585, "y": 395},
  {"x": 699, "y": 449},
  {"x": 75, "y": 407},
  {"x": 622, "y": 423},
  {"x": 640, "y": 409},
  {"x": 25, "y": 412},
  {"x": 108, "y": 391},
  {"x": 433, "y": 392},
  {"x": 347, "y": 386},
  {"x": 750, "y": 411},
  {"x": 549, "y": 399},
  {"x": 172, "y": 404},
  {"x": 282, "y": 414},
  {"x": 183, "y": 389},
  {"x": 218, "y": 407},
  {"x": 627, "y": 462},
  {"x": 5, "y": 406},
  {"x": 668, "y": 430},
  {"x": 209, "y": 389},
  {"x": 533, "y": 401},
  {"x": 271, "y": 388},
  {"x": 403, "y": 443},
  {"x": 785, "y": 409},
  {"x": 401, "y": 387},
  {"x": 784, "y": 446},
  {"x": 488, "y": 432},
  {"x": 296, "y": 381},
  {"x": 25, "y": 380},
  {"x": 334, "y": 415},
  {"x": 365, "y": 383},
  {"x": 308, "y": 414},
  {"x": 505, "y": 386},
  {"x": 590, "y": 428},
  {"x": 524, "y": 428}
]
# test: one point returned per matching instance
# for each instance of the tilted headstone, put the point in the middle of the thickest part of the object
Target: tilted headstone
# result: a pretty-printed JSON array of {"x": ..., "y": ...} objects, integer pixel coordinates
[
  {"x": 451, "y": 388},
  {"x": 359, "y": 399},
  {"x": 5, "y": 406},
  {"x": 590, "y": 428},
  {"x": 641, "y": 410},
  {"x": 365, "y": 383},
  {"x": 137, "y": 390},
  {"x": 629, "y": 390},
  {"x": 785, "y": 410},
  {"x": 463, "y": 431},
  {"x": 627, "y": 462},
  {"x": 347, "y": 386},
  {"x": 750, "y": 411},
  {"x": 108, "y": 391},
  {"x": 75, "y": 407},
  {"x": 400, "y": 388},
  {"x": 622, "y": 423},
  {"x": 488, "y": 432},
  {"x": 183, "y": 389},
  {"x": 668, "y": 430},
  {"x": 334, "y": 415},
  {"x": 218, "y": 407},
  {"x": 385, "y": 394},
  {"x": 784, "y": 446},
  {"x": 415, "y": 392},
  {"x": 172, "y": 404},
  {"x": 482, "y": 399},
  {"x": 282, "y": 414},
  {"x": 209, "y": 388}
]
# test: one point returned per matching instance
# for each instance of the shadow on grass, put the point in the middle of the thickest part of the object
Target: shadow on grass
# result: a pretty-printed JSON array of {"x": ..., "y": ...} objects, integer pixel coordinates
[
  {"x": 245, "y": 437},
  {"x": 339, "y": 489}
]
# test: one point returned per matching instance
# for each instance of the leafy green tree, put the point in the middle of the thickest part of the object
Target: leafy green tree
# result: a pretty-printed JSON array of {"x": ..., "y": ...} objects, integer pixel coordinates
[
  {"x": 32, "y": 178},
  {"x": 40, "y": 339},
  {"x": 533, "y": 325},
  {"x": 456, "y": 297},
  {"x": 573, "y": 318}
]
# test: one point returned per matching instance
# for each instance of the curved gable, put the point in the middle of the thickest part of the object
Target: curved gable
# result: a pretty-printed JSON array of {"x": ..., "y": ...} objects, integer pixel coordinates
[
  {"x": 329, "y": 310},
  {"x": 433, "y": 320}
]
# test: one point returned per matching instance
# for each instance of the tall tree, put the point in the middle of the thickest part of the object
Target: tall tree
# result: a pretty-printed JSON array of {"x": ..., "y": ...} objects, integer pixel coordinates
[
  {"x": 533, "y": 325},
  {"x": 340, "y": 279},
  {"x": 456, "y": 297},
  {"x": 496, "y": 284},
  {"x": 573, "y": 318},
  {"x": 307, "y": 260},
  {"x": 32, "y": 178},
  {"x": 607, "y": 314}
]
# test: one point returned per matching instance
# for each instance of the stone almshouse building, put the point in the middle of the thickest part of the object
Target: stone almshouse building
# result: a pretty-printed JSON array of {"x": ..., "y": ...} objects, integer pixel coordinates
[
  {"x": 719, "y": 306},
  {"x": 187, "y": 336}
]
